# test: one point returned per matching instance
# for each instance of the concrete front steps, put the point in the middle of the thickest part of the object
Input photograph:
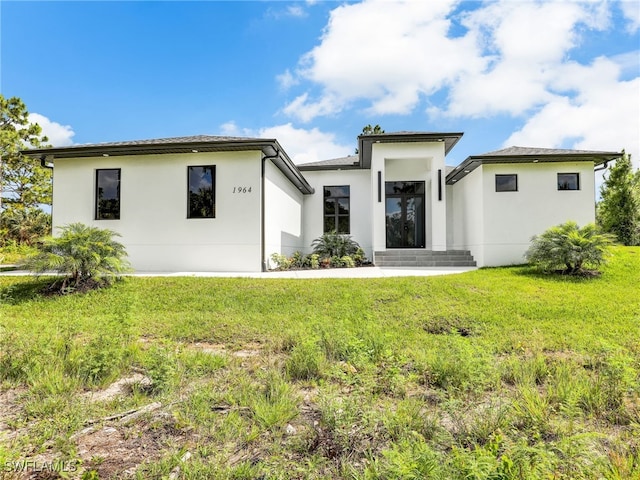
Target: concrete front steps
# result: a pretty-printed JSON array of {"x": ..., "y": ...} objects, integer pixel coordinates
[{"x": 404, "y": 257}]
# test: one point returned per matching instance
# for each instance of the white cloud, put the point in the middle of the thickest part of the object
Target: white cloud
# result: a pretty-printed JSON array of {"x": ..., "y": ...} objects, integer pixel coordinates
[
  {"x": 631, "y": 11},
  {"x": 302, "y": 145},
  {"x": 524, "y": 56},
  {"x": 296, "y": 11},
  {"x": 383, "y": 52},
  {"x": 603, "y": 115},
  {"x": 58, "y": 135},
  {"x": 391, "y": 54},
  {"x": 230, "y": 129},
  {"x": 286, "y": 80},
  {"x": 305, "y": 146},
  {"x": 306, "y": 111},
  {"x": 503, "y": 58}
]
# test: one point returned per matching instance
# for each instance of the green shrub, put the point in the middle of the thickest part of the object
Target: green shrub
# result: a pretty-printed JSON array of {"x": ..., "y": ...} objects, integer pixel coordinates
[
  {"x": 24, "y": 225},
  {"x": 359, "y": 257},
  {"x": 334, "y": 245},
  {"x": 348, "y": 262},
  {"x": 569, "y": 248},
  {"x": 282, "y": 261},
  {"x": 298, "y": 260},
  {"x": 89, "y": 256}
]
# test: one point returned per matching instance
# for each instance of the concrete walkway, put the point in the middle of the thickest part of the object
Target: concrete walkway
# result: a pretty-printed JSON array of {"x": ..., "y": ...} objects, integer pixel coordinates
[{"x": 359, "y": 272}]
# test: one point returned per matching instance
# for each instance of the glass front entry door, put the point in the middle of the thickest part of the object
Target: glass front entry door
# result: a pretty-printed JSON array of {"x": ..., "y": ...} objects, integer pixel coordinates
[{"x": 405, "y": 214}]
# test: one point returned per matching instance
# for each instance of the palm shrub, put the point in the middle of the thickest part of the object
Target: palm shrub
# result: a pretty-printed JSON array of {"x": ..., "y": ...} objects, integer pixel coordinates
[
  {"x": 87, "y": 256},
  {"x": 569, "y": 248},
  {"x": 334, "y": 244},
  {"x": 24, "y": 225}
]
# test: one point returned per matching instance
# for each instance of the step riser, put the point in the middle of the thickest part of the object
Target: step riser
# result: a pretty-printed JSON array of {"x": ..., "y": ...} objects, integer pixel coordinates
[{"x": 422, "y": 258}]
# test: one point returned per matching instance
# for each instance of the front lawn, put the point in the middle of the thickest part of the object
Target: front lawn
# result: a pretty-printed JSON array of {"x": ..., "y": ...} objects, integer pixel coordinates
[{"x": 498, "y": 373}]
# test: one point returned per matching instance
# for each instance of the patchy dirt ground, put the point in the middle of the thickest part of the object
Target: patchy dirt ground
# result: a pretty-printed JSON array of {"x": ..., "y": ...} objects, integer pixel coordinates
[
  {"x": 115, "y": 446},
  {"x": 116, "y": 451}
]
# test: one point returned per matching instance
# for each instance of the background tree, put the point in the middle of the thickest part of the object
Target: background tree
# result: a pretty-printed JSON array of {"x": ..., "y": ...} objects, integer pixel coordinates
[
  {"x": 24, "y": 226},
  {"x": 618, "y": 212},
  {"x": 23, "y": 182},
  {"x": 369, "y": 130}
]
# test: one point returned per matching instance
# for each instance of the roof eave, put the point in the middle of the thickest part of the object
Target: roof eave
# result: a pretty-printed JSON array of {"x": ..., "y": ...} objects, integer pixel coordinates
[
  {"x": 146, "y": 149},
  {"x": 365, "y": 142},
  {"x": 281, "y": 160},
  {"x": 473, "y": 162},
  {"x": 312, "y": 168},
  {"x": 268, "y": 147}
]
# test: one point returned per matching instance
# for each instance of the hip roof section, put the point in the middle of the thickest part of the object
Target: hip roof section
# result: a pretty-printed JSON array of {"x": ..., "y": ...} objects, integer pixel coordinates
[
  {"x": 270, "y": 148},
  {"x": 521, "y": 155}
]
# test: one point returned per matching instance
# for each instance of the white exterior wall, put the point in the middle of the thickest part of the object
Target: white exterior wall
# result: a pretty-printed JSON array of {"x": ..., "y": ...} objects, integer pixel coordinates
[
  {"x": 360, "y": 204},
  {"x": 497, "y": 226},
  {"x": 153, "y": 221},
  {"x": 283, "y": 214},
  {"x": 410, "y": 162},
  {"x": 512, "y": 218},
  {"x": 468, "y": 215}
]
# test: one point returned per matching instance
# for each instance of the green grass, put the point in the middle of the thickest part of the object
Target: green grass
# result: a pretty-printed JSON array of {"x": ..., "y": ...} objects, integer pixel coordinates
[
  {"x": 12, "y": 254},
  {"x": 498, "y": 373}
]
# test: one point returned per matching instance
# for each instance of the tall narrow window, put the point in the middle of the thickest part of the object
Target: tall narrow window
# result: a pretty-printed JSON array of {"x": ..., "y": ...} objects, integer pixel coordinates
[
  {"x": 202, "y": 193},
  {"x": 507, "y": 183},
  {"x": 108, "y": 194},
  {"x": 336, "y": 209},
  {"x": 568, "y": 181}
]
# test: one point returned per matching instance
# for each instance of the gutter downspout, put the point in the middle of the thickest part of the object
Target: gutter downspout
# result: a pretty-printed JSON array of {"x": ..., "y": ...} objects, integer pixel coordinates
[
  {"x": 263, "y": 254},
  {"x": 49, "y": 165}
]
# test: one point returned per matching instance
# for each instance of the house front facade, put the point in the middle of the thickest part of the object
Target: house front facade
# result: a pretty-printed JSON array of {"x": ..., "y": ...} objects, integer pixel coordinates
[{"x": 208, "y": 203}]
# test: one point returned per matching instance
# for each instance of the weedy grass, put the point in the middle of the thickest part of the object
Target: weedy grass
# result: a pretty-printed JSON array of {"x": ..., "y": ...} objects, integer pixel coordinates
[{"x": 498, "y": 373}]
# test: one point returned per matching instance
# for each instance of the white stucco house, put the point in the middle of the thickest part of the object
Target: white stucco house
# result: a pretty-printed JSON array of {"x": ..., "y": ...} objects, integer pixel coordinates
[{"x": 209, "y": 203}]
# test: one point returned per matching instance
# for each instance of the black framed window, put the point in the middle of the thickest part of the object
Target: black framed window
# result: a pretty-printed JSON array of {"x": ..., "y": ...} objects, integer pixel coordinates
[
  {"x": 108, "y": 194},
  {"x": 336, "y": 209},
  {"x": 202, "y": 191},
  {"x": 568, "y": 181},
  {"x": 507, "y": 183}
]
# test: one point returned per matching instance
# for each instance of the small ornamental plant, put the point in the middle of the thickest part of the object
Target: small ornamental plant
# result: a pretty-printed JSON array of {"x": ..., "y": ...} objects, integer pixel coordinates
[
  {"x": 86, "y": 257},
  {"x": 569, "y": 249},
  {"x": 331, "y": 250}
]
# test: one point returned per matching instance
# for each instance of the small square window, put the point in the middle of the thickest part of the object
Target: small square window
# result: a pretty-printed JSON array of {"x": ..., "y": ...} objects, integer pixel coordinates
[
  {"x": 507, "y": 183},
  {"x": 568, "y": 181}
]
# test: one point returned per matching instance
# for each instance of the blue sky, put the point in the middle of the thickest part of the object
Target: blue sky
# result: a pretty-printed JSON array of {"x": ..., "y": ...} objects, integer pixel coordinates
[{"x": 312, "y": 74}]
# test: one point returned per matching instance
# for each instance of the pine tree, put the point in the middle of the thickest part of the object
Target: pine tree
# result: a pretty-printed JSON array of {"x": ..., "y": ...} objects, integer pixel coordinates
[
  {"x": 619, "y": 209},
  {"x": 23, "y": 182}
]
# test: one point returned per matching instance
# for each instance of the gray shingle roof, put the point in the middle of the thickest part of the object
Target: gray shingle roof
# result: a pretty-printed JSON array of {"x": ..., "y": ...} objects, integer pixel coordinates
[
  {"x": 166, "y": 141},
  {"x": 181, "y": 145},
  {"x": 515, "y": 155},
  {"x": 333, "y": 163},
  {"x": 520, "y": 151}
]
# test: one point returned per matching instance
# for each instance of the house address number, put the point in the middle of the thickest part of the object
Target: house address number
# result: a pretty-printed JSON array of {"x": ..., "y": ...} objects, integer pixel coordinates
[{"x": 241, "y": 189}]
